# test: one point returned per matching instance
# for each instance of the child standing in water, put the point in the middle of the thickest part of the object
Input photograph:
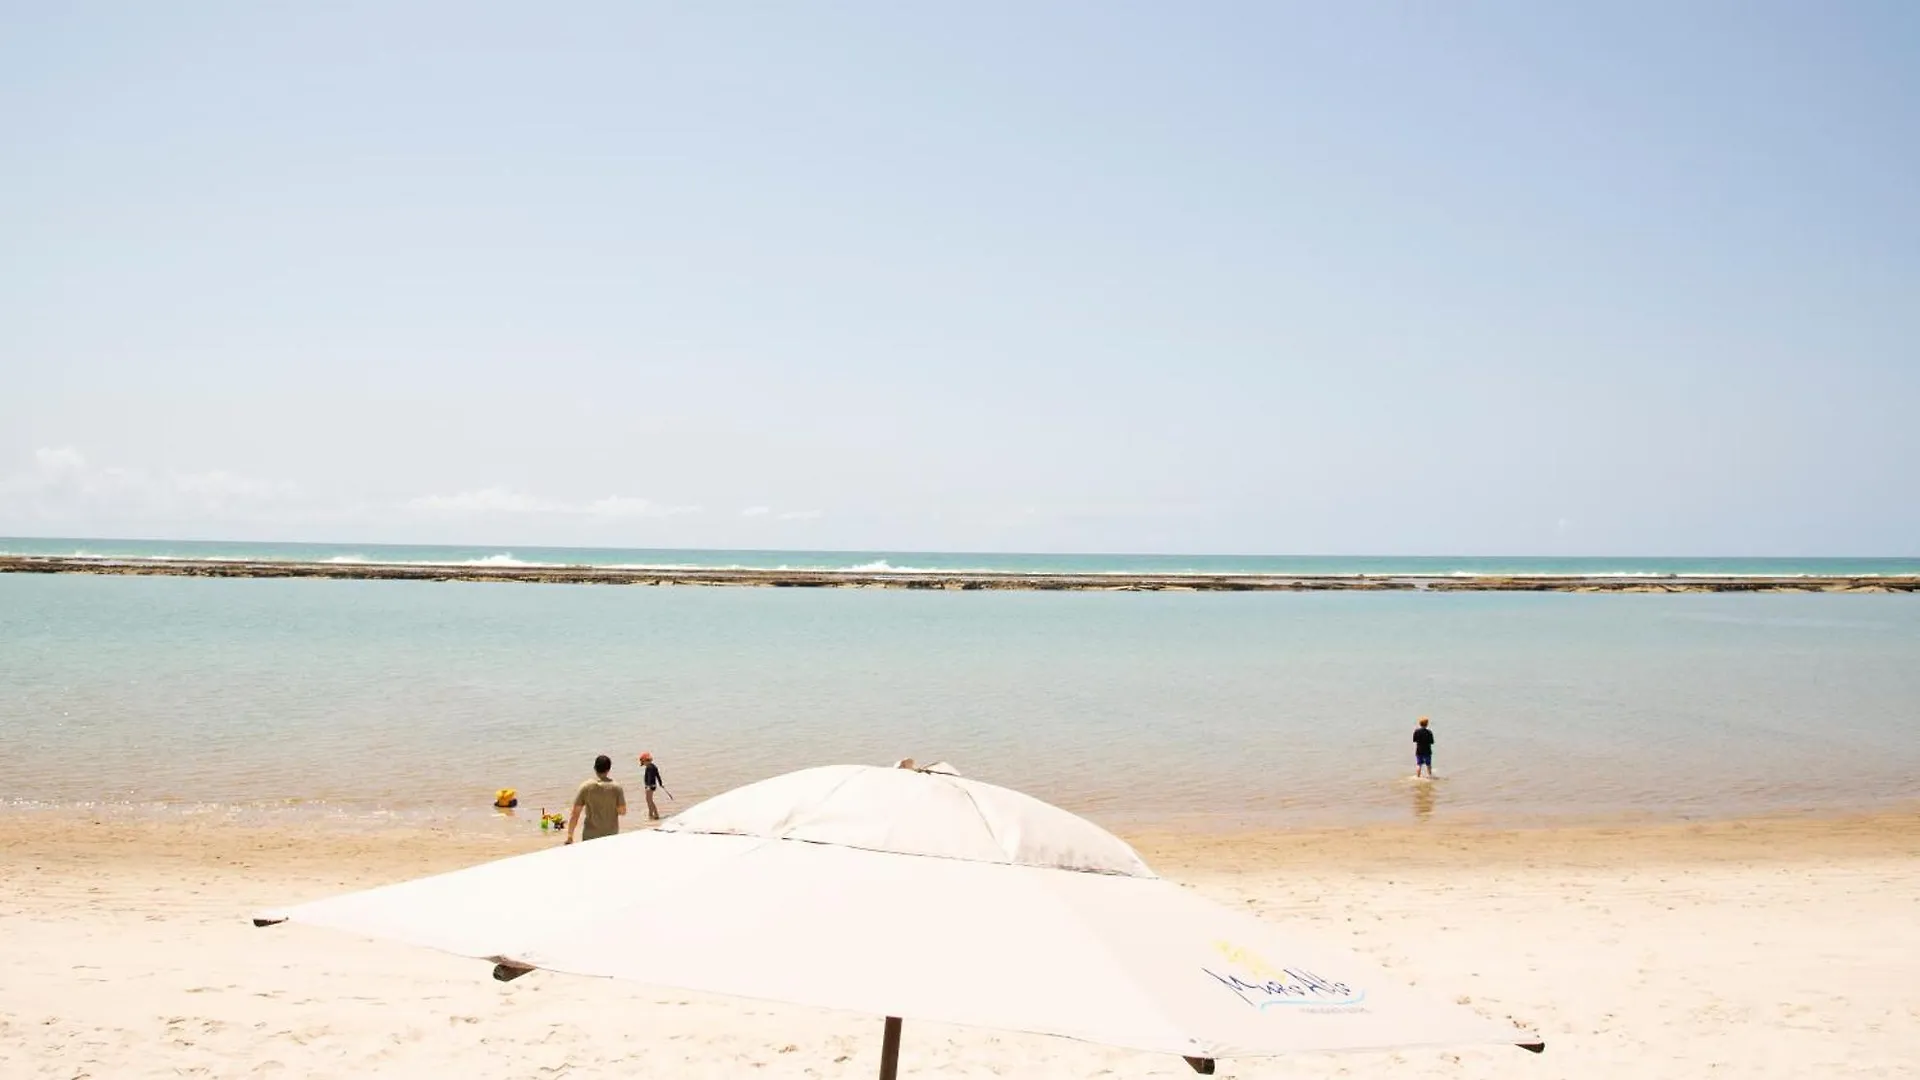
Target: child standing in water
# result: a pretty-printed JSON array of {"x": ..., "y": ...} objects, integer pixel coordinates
[
  {"x": 1422, "y": 752},
  {"x": 650, "y": 777}
]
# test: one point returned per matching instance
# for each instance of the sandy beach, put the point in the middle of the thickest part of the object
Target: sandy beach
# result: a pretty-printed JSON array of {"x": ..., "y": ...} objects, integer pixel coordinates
[{"x": 1784, "y": 947}]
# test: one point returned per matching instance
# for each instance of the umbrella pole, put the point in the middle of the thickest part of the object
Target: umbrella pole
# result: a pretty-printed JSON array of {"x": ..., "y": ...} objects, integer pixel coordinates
[{"x": 890, "y": 1050}]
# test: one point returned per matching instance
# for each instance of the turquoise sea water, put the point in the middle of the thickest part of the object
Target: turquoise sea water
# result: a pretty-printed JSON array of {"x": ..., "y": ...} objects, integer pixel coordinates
[
  {"x": 933, "y": 560},
  {"x": 361, "y": 699}
]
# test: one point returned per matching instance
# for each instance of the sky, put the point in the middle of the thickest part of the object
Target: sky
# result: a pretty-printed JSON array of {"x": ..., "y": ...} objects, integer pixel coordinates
[{"x": 1388, "y": 278}]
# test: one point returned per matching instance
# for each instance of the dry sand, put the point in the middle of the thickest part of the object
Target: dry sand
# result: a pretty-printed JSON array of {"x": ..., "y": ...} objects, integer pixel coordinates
[{"x": 1781, "y": 947}]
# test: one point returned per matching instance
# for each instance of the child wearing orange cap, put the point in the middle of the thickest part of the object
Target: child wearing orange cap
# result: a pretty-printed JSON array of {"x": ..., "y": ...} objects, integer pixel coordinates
[{"x": 650, "y": 777}]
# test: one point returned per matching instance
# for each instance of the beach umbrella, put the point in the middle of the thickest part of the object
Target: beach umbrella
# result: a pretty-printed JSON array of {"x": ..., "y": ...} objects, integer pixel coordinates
[{"x": 908, "y": 894}]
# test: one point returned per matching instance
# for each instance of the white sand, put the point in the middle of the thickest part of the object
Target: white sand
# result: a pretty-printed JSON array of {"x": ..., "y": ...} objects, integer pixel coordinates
[{"x": 1783, "y": 948}]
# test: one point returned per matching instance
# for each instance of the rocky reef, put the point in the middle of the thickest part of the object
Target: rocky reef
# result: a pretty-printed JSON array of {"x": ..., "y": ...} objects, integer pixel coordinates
[{"x": 955, "y": 580}]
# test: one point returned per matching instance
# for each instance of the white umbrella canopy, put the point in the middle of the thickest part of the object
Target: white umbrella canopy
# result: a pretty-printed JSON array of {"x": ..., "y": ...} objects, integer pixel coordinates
[{"x": 918, "y": 895}]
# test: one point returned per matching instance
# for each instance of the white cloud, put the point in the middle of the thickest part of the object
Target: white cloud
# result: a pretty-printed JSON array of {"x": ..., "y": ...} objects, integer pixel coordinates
[
  {"x": 622, "y": 506},
  {"x": 802, "y": 515},
  {"x": 220, "y": 484},
  {"x": 756, "y": 511},
  {"x": 59, "y": 488},
  {"x": 62, "y": 483},
  {"x": 504, "y": 501},
  {"x": 55, "y": 461},
  {"x": 484, "y": 501}
]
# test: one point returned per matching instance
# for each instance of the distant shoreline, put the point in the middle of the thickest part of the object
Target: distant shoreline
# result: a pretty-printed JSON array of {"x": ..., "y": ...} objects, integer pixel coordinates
[{"x": 959, "y": 580}]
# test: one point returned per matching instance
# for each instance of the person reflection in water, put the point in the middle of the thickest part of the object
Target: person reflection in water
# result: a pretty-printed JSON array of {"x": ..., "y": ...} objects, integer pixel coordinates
[{"x": 1423, "y": 801}]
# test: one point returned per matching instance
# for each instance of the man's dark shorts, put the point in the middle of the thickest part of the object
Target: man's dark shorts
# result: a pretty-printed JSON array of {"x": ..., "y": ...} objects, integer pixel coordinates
[{"x": 1422, "y": 756}]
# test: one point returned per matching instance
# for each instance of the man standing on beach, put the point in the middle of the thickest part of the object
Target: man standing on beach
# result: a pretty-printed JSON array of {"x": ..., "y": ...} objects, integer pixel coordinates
[
  {"x": 603, "y": 800},
  {"x": 1423, "y": 749},
  {"x": 651, "y": 778}
]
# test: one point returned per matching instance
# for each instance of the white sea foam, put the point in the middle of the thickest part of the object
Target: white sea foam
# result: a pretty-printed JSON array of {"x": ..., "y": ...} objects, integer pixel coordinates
[
  {"x": 504, "y": 558},
  {"x": 1569, "y": 574},
  {"x": 882, "y": 566},
  {"x": 678, "y": 566},
  {"x": 501, "y": 559}
]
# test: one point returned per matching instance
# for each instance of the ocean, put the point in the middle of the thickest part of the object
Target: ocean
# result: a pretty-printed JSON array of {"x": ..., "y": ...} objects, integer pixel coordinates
[{"x": 362, "y": 702}]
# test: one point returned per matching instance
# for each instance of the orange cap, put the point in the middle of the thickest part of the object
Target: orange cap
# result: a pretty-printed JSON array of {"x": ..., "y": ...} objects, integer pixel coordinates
[{"x": 644, "y": 756}]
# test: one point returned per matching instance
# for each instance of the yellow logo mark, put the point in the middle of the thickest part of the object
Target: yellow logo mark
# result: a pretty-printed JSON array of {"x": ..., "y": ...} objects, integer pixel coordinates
[{"x": 1247, "y": 960}]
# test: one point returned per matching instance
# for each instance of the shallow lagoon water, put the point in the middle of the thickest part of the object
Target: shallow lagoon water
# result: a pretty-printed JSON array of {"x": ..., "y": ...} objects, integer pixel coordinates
[{"x": 360, "y": 699}]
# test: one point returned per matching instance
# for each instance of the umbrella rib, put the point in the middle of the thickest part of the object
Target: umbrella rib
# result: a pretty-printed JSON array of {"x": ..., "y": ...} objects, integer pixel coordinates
[{"x": 979, "y": 813}]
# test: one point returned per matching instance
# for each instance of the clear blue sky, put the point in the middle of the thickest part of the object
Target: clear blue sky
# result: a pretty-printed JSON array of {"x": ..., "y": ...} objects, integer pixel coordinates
[{"x": 1624, "y": 278}]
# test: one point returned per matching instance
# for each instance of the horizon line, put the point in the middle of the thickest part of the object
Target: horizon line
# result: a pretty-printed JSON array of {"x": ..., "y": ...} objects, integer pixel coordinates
[{"x": 938, "y": 551}]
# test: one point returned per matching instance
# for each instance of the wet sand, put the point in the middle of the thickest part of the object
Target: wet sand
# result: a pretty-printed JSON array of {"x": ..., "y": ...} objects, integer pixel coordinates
[{"x": 1779, "y": 947}]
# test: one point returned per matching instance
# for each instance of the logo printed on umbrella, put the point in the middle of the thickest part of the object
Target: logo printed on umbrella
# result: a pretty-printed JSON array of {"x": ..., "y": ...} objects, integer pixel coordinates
[{"x": 1265, "y": 986}]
